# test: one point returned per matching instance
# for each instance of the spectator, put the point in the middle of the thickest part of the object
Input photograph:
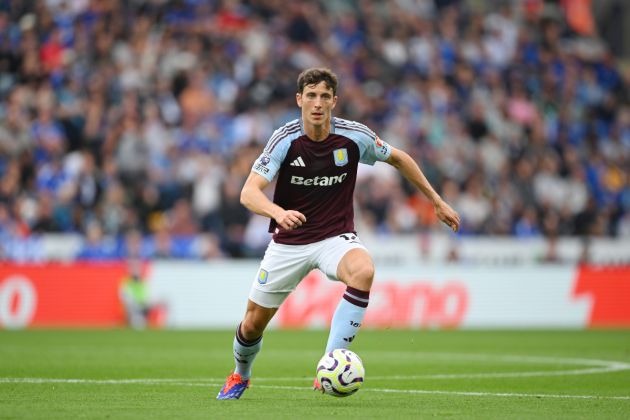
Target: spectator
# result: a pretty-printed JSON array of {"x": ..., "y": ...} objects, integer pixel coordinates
[
  {"x": 96, "y": 246},
  {"x": 142, "y": 114}
]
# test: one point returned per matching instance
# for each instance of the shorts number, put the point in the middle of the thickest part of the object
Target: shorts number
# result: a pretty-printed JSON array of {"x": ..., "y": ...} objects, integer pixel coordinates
[{"x": 350, "y": 238}]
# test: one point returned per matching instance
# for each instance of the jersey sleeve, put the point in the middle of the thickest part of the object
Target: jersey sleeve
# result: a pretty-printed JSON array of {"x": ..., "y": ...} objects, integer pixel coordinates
[
  {"x": 374, "y": 149},
  {"x": 268, "y": 163},
  {"x": 371, "y": 147}
]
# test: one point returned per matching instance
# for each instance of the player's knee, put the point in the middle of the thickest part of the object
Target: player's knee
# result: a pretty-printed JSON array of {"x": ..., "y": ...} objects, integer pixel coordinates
[
  {"x": 362, "y": 277},
  {"x": 251, "y": 329}
]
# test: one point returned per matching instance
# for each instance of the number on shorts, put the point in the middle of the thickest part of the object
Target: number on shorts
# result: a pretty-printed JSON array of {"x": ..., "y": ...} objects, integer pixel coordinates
[{"x": 350, "y": 238}]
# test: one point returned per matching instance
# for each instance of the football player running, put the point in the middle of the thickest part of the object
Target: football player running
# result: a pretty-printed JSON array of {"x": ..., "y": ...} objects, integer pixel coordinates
[{"x": 315, "y": 161}]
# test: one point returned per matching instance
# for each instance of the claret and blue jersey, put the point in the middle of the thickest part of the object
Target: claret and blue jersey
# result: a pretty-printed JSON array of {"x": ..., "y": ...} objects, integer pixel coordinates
[{"x": 318, "y": 178}]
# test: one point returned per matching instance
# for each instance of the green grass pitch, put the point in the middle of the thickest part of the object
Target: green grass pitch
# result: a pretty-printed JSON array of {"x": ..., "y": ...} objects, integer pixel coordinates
[{"x": 409, "y": 374}]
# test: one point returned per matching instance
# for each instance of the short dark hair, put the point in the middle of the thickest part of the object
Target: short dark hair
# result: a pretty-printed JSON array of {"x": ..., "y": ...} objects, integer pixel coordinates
[{"x": 316, "y": 75}]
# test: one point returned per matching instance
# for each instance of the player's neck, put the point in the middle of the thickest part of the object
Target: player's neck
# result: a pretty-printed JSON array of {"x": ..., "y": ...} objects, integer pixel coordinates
[{"x": 317, "y": 132}]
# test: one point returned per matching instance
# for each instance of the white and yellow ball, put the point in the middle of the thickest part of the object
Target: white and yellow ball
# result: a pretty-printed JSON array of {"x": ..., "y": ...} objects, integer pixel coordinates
[{"x": 340, "y": 373}]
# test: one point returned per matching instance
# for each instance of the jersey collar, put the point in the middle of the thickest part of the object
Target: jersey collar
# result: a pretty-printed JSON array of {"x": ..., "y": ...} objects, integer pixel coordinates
[{"x": 332, "y": 126}]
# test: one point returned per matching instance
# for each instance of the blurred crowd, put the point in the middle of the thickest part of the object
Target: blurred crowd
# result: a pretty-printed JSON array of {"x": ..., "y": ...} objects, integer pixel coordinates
[{"x": 135, "y": 123}]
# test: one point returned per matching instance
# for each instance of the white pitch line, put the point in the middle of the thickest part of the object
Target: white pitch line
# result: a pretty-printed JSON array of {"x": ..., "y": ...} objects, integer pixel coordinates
[
  {"x": 180, "y": 382},
  {"x": 601, "y": 366},
  {"x": 532, "y": 374},
  {"x": 595, "y": 366},
  {"x": 492, "y": 358},
  {"x": 589, "y": 371},
  {"x": 500, "y": 394}
]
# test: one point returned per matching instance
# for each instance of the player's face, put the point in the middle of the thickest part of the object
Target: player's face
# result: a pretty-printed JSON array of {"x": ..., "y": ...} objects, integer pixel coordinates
[{"x": 317, "y": 102}]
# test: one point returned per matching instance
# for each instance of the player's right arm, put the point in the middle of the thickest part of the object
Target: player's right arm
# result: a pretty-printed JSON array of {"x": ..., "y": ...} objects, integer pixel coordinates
[{"x": 253, "y": 197}]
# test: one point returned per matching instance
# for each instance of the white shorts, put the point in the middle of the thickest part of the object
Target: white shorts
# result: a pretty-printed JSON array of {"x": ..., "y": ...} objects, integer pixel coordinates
[{"x": 284, "y": 266}]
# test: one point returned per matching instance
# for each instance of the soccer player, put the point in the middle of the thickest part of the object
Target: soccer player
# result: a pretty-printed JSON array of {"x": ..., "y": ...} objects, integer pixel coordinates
[{"x": 315, "y": 159}]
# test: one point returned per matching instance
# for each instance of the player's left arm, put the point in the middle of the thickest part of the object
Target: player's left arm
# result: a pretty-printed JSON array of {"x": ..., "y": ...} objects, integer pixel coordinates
[{"x": 410, "y": 170}]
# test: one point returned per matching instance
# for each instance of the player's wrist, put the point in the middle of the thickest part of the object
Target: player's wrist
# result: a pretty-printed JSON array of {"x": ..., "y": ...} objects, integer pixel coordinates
[
  {"x": 276, "y": 212},
  {"x": 436, "y": 200}
]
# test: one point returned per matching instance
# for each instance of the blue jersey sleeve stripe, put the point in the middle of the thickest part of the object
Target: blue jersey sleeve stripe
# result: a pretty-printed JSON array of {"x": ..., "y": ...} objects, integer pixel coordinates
[
  {"x": 365, "y": 131},
  {"x": 353, "y": 124},
  {"x": 288, "y": 126},
  {"x": 279, "y": 135},
  {"x": 272, "y": 144}
]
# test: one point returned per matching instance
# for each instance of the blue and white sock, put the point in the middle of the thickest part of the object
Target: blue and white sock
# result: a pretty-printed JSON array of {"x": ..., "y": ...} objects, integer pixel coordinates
[
  {"x": 244, "y": 353},
  {"x": 347, "y": 318}
]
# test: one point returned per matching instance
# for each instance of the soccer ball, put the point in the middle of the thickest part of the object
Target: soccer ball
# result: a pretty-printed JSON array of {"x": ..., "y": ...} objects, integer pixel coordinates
[{"x": 340, "y": 373}]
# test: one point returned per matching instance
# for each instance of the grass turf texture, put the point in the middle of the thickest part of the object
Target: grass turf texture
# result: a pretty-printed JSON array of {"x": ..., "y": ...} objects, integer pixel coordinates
[{"x": 177, "y": 374}]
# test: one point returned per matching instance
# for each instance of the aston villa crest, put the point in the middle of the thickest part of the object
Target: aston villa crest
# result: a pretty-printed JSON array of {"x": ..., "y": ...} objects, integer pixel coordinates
[
  {"x": 341, "y": 156},
  {"x": 263, "y": 275}
]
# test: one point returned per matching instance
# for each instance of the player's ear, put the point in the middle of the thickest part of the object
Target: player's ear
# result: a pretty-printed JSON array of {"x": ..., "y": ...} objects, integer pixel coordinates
[
  {"x": 334, "y": 102},
  {"x": 298, "y": 99}
]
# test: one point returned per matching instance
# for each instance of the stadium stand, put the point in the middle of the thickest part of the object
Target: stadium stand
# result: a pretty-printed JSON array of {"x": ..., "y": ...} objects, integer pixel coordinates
[{"x": 136, "y": 122}]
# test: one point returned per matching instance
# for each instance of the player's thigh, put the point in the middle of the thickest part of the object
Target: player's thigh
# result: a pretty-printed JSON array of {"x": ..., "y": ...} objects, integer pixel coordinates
[
  {"x": 281, "y": 270},
  {"x": 345, "y": 258}
]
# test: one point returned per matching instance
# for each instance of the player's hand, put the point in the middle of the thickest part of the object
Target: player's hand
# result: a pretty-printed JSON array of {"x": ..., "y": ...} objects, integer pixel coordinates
[
  {"x": 447, "y": 215},
  {"x": 290, "y": 219}
]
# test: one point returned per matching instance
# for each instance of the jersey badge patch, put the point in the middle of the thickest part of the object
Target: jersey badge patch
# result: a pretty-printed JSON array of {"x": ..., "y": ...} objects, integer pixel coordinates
[
  {"x": 261, "y": 164},
  {"x": 263, "y": 276},
  {"x": 264, "y": 160},
  {"x": 341, "y": 156}
]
